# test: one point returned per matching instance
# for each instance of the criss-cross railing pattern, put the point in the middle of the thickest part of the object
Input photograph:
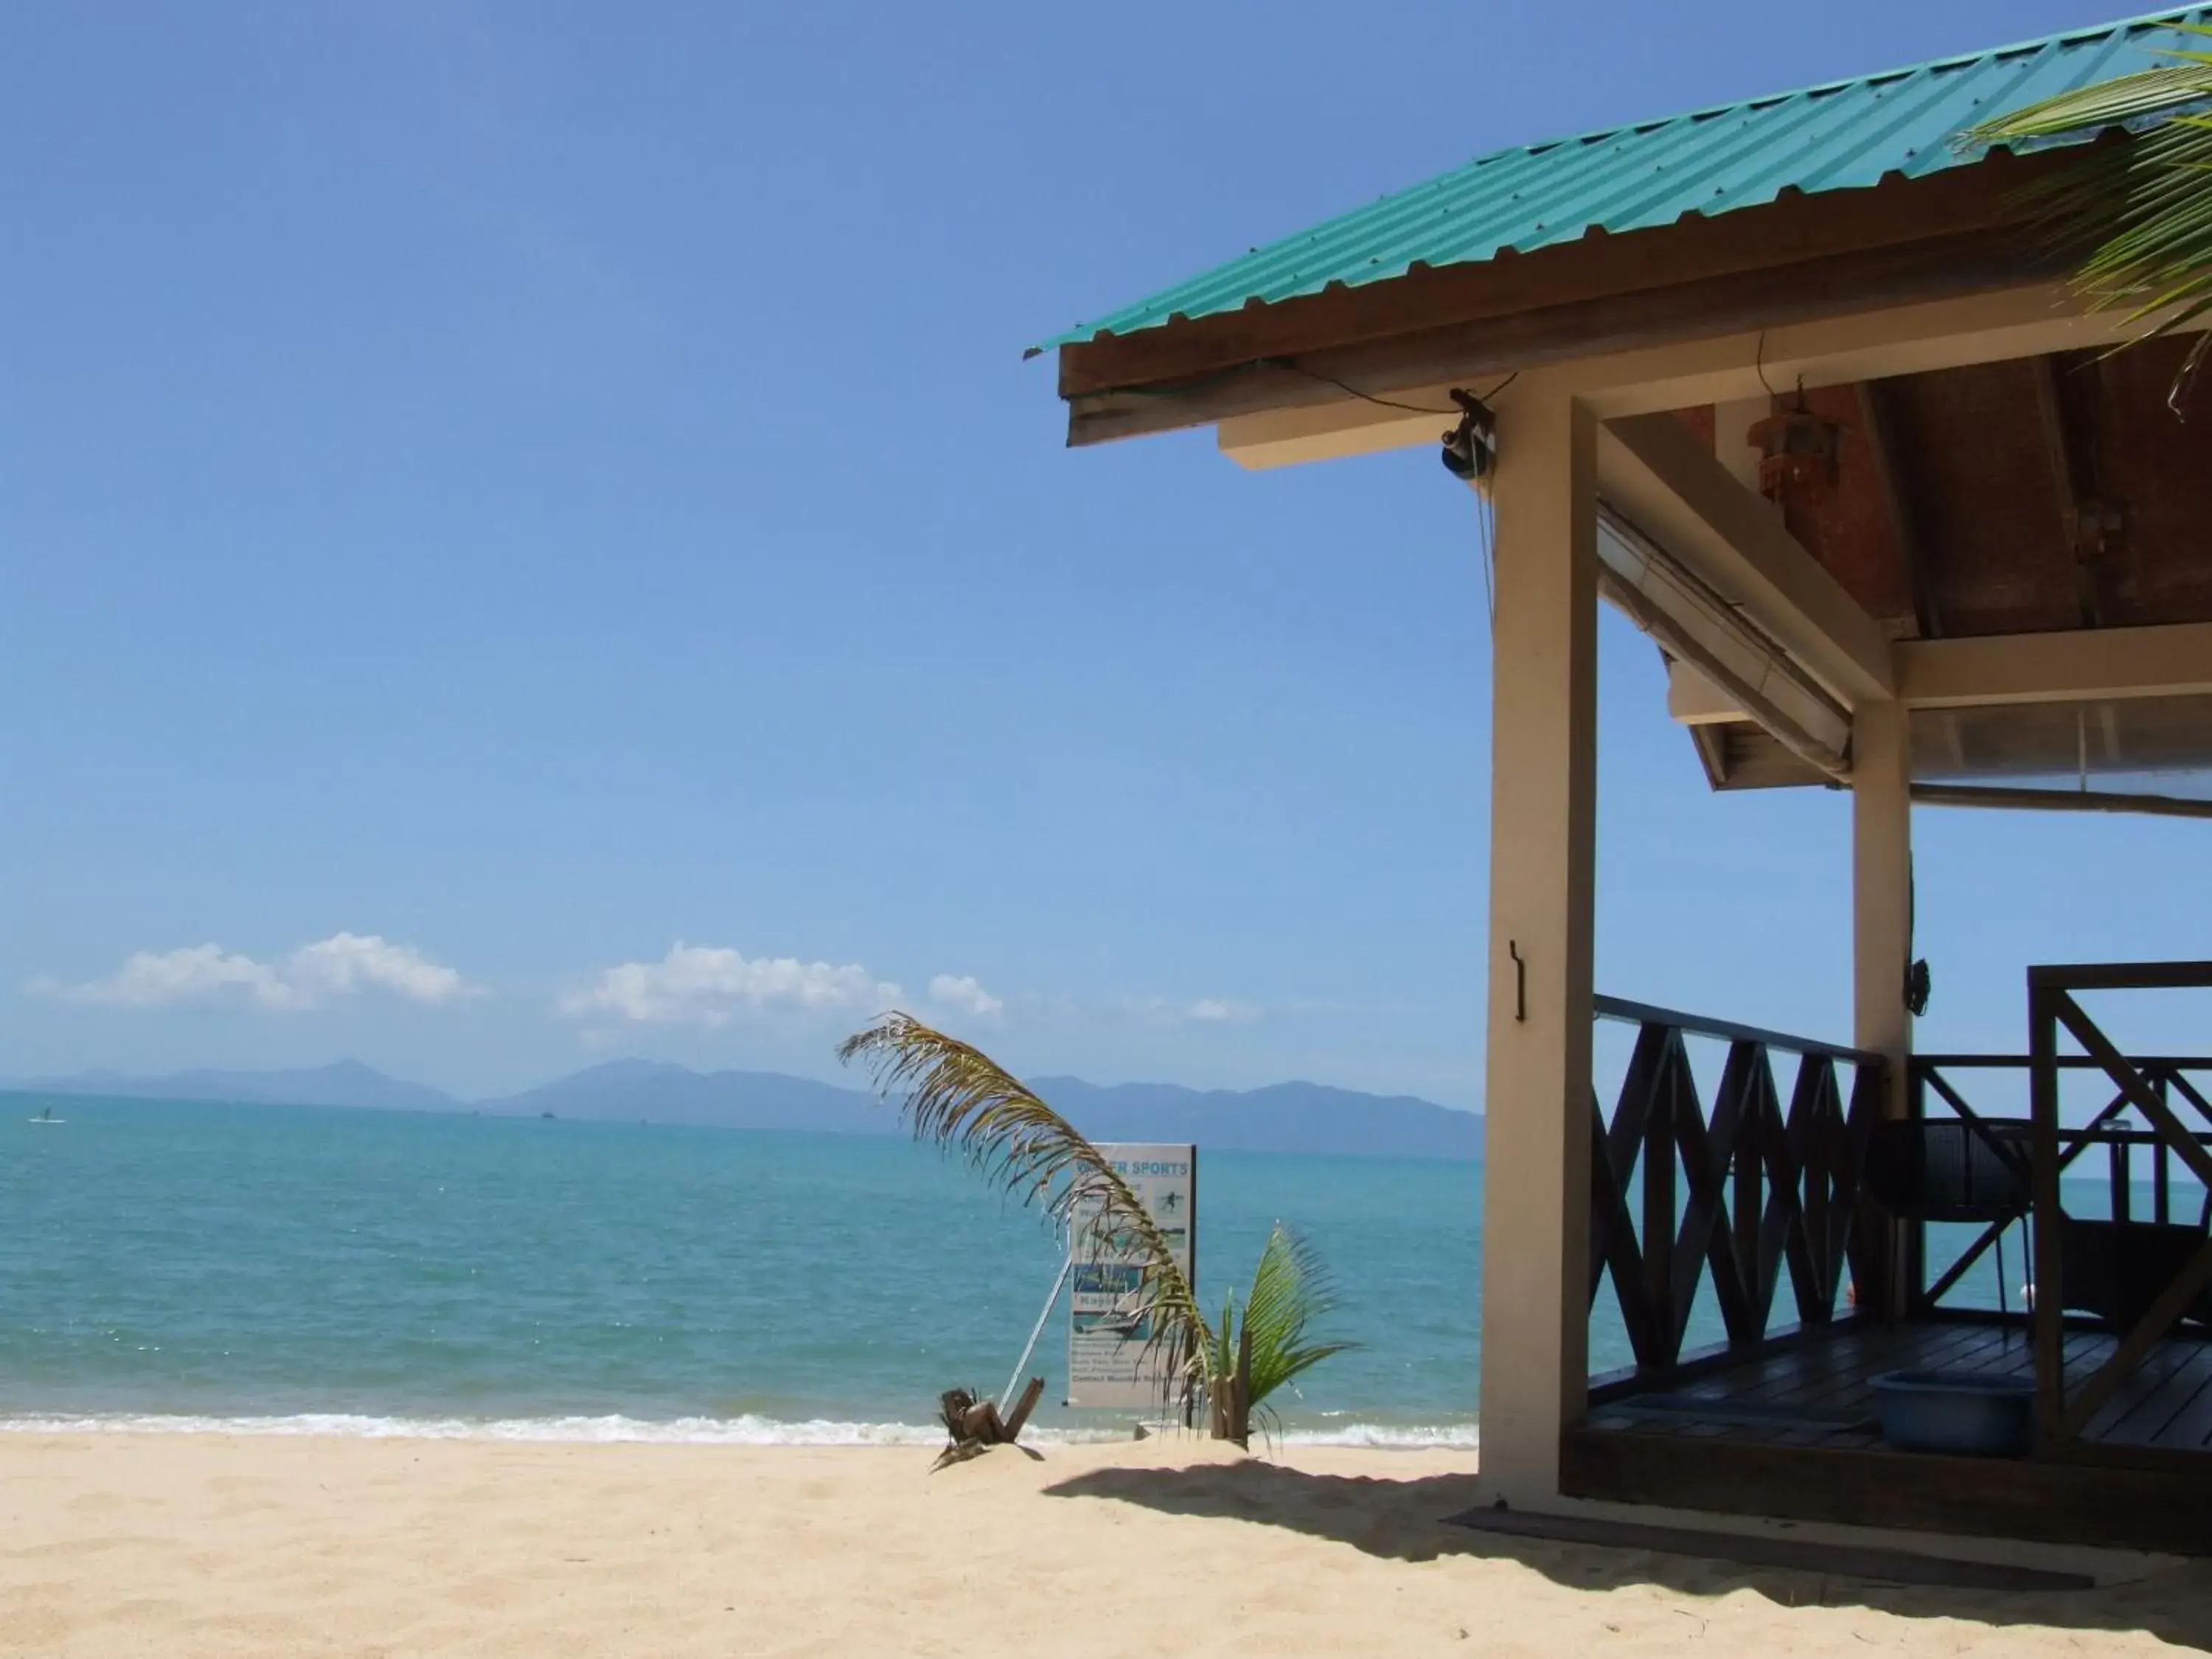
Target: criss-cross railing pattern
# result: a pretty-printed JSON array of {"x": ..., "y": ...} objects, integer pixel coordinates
[
  {"x": 2171, "y": 1078},
  {"x": 1738, "y": 1192},
  {"x": 2064, "y": 1412}
]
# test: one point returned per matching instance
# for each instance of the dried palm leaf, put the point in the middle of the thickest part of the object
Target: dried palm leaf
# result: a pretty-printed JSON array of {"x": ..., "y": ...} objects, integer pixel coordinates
[{"x": 958, "y": 1097}]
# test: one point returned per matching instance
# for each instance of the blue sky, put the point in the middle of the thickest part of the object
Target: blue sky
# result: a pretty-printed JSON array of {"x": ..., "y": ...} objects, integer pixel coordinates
[{"x": 495, "y": 494}]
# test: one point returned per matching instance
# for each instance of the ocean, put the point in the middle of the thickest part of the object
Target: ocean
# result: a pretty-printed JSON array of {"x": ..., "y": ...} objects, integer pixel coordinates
[
  {"x": 246, "y": 1267},
  {"x": 277, "y": 1269}
]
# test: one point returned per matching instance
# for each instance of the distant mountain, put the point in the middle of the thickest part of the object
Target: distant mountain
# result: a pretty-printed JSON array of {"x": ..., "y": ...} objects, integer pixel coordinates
[
  {"x": 1287, "y": 1117},
  {"x": 346, "y": 1083},
  {"x": 634, "y": 1088}
]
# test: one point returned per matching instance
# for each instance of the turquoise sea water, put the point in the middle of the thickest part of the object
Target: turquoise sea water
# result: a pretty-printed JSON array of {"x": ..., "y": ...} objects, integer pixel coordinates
[
  {"x": 374, "y": 1271},
  {"x": 201, "y": 1263}
]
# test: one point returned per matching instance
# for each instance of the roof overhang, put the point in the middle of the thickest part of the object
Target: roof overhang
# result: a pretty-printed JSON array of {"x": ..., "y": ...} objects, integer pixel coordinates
[
  {"x": 1929, "y": 313},
  {"x": 1804, "y": 257}
]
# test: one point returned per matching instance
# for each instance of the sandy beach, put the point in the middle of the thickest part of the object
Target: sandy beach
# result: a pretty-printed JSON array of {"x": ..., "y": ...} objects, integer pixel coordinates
[{"x": 187, "y": 1544}]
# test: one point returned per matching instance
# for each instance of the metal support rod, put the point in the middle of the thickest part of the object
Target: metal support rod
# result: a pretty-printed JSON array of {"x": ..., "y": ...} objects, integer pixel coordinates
[{"x": 1006, "y": 1400}]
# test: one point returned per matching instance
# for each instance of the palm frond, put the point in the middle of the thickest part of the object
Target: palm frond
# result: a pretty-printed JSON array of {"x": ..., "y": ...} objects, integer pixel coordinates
[
  {"x": 958, "y": 1097},
  {"x": 2151, "y": 93},
  {"x": 1291, "y": 1290},
  {"x": 2137, "y": 217}
]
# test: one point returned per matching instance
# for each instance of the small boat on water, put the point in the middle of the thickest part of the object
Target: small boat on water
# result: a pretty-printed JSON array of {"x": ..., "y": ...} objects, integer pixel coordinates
[{"x": 47, "y": 1117}]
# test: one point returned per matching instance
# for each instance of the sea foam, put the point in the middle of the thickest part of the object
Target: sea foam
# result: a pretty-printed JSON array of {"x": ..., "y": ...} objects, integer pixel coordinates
[{"x": 746, "y": 1430}]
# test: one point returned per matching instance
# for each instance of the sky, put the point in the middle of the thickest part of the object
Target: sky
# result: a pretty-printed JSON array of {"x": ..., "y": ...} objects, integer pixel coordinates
[{"x": 527, "y": 537}]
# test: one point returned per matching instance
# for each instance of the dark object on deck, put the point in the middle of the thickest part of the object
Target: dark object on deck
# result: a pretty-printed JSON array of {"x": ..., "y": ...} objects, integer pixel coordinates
[
  {"x": 1801, "y": 1554},
  {"x": 1949, "y": 1169},
  {"x": 975, "y": 1425},
  {"x": 2117, "y": 1269},
  {"x": 1964, "y": 1413}
]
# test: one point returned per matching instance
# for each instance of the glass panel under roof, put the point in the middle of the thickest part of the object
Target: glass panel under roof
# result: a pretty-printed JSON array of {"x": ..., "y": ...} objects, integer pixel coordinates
[{"x": 2130, "y": 746}]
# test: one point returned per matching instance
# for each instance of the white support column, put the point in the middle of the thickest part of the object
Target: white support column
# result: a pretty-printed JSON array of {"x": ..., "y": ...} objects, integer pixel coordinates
[
  {"x": 1881, "y": 886},
  {"x": 1536, "y": 1177},
  {"x": 1881, "y": 920}
]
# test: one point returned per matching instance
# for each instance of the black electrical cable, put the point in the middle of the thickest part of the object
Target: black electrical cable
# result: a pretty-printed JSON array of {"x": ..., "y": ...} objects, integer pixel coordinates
[{"x": 1346, "y": 385}]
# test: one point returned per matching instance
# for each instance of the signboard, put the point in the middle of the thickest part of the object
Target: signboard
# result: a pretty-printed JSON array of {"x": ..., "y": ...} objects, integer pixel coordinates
[{"x": 1111, "y": 1358}]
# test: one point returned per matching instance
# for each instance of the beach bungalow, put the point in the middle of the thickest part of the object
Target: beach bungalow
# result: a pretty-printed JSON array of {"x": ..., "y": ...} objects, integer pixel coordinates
[{"x": 1796, "y": 385}]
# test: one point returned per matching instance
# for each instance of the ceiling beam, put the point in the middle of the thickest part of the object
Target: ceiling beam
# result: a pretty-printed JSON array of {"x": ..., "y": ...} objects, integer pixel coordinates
[
  {"x": 1874, "y": 422},
  {"x": 1655, "y": 472},
  {"x": 2069, "y": 666},
  {"x": 2093, "y": 525}
]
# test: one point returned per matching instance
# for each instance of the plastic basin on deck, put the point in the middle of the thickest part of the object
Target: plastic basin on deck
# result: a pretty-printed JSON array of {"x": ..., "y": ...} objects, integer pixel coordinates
[{"x": 1965, "y": 1414}]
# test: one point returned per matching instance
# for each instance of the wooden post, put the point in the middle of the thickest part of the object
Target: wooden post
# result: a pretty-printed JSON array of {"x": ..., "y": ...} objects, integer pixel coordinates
[
  {"x": 1881, "y": 940},
  {"x": 1536, "y": 1165},
  {"x": 2043, "y": 1185}
]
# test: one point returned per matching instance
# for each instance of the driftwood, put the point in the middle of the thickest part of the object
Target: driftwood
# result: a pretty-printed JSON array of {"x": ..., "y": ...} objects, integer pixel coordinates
[{"x": 975, "y": 1425}]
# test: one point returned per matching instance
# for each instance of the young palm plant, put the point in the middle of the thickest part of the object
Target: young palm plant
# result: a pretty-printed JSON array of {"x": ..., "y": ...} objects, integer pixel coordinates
[
  {"x": 955, "y": 1096},
  {"x": 2141, "y": 209},
  {"x": 1264, "y": 1350}
]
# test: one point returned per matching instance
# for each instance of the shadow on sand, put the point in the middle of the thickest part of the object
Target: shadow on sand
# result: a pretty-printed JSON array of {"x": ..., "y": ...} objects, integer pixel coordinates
[{"x": 1402, "y": 1520}]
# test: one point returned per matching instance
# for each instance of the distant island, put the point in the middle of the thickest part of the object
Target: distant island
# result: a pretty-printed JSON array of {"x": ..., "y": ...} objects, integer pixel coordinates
[{"x": 1284, "y": 1117}]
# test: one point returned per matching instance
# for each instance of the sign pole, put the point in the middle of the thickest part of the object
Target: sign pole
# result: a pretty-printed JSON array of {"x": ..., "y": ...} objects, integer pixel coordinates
[{"x": 1006, "y": 1400}]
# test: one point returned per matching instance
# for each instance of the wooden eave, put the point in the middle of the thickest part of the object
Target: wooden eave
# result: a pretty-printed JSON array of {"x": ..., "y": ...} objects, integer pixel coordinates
[{"x": 1965, "y": 230}]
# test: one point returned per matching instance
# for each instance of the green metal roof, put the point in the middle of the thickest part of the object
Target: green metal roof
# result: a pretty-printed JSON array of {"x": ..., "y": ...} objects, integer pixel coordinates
[{"x": 1844, "y": 135}]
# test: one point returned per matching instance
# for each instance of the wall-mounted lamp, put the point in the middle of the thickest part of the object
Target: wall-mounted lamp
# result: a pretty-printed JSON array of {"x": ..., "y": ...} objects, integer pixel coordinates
[{"x": 1471, "y": 447}]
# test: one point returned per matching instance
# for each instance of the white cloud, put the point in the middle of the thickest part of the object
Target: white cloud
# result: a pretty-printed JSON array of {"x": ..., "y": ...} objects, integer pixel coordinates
[
  {"x": 964, "y": 994},
  {"x": 339, "y": 966},
  {"x": 1206, "y": 1010},
  {"x": 346, "y": 962},
  {"x": 698, "y": 985},
  {"x": 1220, "y": 1011}
]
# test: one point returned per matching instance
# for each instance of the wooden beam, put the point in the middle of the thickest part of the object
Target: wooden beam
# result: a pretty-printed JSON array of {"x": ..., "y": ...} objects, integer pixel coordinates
[
  {"x": 2063, "y": 444},
  {"x": 1856, "y": 338},
  {"x": 2075, "y": 665},
  {"x": 1874, "y": 422},
  {"x": 1786, "y": 235},
  {"x": 1434, "y": 359},
  {"x": 2159, "y": 1506},
  {"x": 1746, "y": 674},
  {"x": 1654, "y": 469},
  {"x": 1746, "y": 697}
]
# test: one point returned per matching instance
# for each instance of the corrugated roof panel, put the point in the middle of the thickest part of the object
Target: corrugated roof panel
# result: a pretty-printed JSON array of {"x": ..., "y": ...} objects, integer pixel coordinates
[{"x": 1844, "y": 135}]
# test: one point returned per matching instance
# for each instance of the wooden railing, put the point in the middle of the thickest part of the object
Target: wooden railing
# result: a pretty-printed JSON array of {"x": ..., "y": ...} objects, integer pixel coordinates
[
  {"x": 1942, "y": 1077},
  {"x": 2061, "y": 1417},
  {"x": 1736, "y": 1192}
]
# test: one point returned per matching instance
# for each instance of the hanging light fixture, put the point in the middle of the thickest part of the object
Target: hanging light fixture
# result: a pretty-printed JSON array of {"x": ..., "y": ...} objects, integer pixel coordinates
[{"x": 1800, "y": 452}]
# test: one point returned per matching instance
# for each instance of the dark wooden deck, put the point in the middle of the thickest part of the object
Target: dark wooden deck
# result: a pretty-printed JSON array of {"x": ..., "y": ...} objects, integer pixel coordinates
[{"x": 1792, "y": 1433}]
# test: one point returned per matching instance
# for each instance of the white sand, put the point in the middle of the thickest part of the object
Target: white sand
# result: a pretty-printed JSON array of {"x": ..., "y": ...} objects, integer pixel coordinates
[{"x": 184, "y": 1544}]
